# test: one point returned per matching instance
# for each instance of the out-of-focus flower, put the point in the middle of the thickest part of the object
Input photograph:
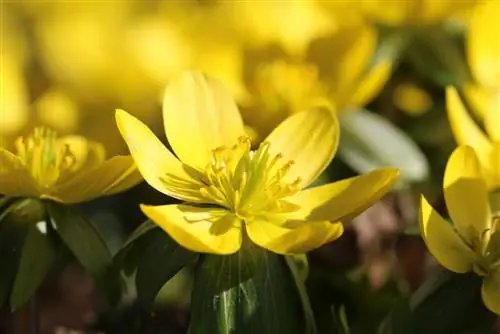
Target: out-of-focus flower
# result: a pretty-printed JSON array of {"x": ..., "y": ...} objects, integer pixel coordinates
[
  {"x": 291, "y": 24},
  {"x": 279, "y": 89},
  {"x": 246, "y": 193},
  {"x": 413, "y": 12},
  {"x": 67, "y": 169},
  {"x": 56, "y": 110},
  {"x": 14, "y": 112},
  {"x": 472, "y": 242},
  {"x": 14, "y": 99},
  {"x": 467, "y": 132},
  {"x": 483, "y": 50},
  {"x": 412, "y": 99},
  {"x": 347, "y": 68}
]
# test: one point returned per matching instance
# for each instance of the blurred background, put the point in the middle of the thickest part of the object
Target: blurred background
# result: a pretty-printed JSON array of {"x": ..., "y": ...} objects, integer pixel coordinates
[{"x": 383, "y": 64}]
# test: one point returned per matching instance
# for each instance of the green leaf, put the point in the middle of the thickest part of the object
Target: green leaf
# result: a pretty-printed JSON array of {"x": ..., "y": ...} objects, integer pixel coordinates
[
  {"x": 370, "y": 141},
  {"x": 161, "y": 258},
  {"x": 81, "y": 237},
  {"x": 12, "y": 235},
  {"x": 450, "y": 303},
  {"x": 251, "y": 291},
  {"x": 128, "y": 257},
  {"x": 445, "y": 303},
  {"x": 37, "y": 257}
]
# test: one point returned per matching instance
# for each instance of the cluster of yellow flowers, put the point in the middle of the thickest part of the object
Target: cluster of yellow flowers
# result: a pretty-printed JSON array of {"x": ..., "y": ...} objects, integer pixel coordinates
[
  {"x": 235, "y": 190},
  {"x": 472, "y": 174}
]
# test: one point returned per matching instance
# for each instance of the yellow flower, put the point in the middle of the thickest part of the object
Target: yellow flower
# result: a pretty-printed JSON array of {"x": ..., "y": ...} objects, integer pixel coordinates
[
  {"x": 467, "y": 132},
  {"x": 233, "y": 192},
  {"x": 483, "y": 51},
  {"x": 472, "y": 242},
  {"x": 413, "y": 12},
  {"x": 67, "y": 169}
]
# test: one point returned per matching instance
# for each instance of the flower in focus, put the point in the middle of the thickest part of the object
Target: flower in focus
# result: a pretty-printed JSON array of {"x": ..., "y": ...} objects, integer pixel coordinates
[
  {"x": 467, "y": 132},
  {"x": 413, "y": 12},
  {"x": 63, "y": 169},
  {"x": 472, "y": 242},
  {"x": 234, "y": 192}
]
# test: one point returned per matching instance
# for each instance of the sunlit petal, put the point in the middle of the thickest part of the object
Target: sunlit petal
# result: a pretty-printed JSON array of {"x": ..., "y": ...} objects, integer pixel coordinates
[
  {"x": 159, "y": 167},
  {"x": 345, "y": 199},
  {"x": 371, "y": 84},
  {"x": 15, "y": 179},
  {"x": 199, "y": 115},
  {"x": 466, "y": 193},
  {"x": 491, "y": 291},
  {"x": 443, "y": 242},
  {"x": 211, "y": 231},
  {"x": 310, "y": 139},
  {"x": 465, "y": 130},
  {"x": 297, "y": 237}
]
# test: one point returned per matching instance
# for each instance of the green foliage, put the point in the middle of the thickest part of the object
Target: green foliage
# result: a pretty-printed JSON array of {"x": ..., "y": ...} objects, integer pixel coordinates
[{"x": 251, "y": 291}]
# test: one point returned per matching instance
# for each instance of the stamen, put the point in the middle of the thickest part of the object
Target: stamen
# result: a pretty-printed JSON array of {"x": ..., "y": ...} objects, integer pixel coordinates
[
  {"x": 46, "y": 159},
  {"x": 249, "y": 183}
]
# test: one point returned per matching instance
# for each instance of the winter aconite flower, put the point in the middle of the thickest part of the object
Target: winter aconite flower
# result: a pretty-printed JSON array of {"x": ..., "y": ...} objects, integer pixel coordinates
[
  {"x": 233, "y": 192},
  {"x": 63, "y": 169},
  {"x": 472, "y": 242}
]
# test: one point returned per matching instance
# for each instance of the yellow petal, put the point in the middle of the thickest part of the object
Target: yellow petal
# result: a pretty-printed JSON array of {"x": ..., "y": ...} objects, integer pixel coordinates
[
  {"x": 484, "y": 43},
  {"x": 443, "y": 242},
  {"x": 464, "y": 128},
  {"x": 492, "y": 117},
  {"x": 159, "y": 167},
  {"x": 345, "y": 199},
  {"x": 466, "y": 193},
  {"x": 491, "y": 292},
  {"x": 297, "y": 237},
  {"x": 15, "y": 179},
  {"x": 199, "y": 114},
  {"x": 111, "y": 177},
  {"x": 309, "y": 138},
  {"x": 372, "y": 83},
  {"x": 211, "y": 231},
  {"x": 353, "y": 63}
]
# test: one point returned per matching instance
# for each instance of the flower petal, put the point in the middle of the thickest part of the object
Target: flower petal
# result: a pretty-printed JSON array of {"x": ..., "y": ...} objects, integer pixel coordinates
[
  {"x": 484, "y": 43},
  {"x": 111, "y": 177},
  {"x": 371, "y": 83},
  {"x": 491, "y": 292},
  {"x": 193, "y": 228},
  {"x": 466, "y": 193},
  {"x": 443, "y": 242},
  {"x": 15, "y": 179},
  {"x": 465, "y": 130},
  {"x": 159, "y": 167},
  {"x": 297, "y": 237},
  {"x": 199, "y": 114},
  {"x": 345, "y": 199},
  {"x": 310, "y": 139}
]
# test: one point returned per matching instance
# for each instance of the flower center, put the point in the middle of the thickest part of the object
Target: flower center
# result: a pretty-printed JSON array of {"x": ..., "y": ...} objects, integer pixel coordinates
[
  {"x": 249, "y": 183},
  {"x": 44, "y": 156}
]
